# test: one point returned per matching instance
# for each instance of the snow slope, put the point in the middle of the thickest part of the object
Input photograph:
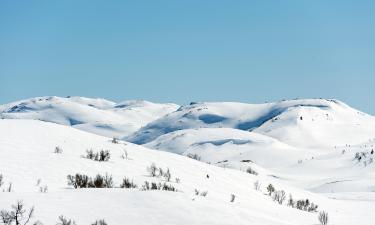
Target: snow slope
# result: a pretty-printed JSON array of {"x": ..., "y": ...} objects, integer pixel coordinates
[
  {"x": 98, "y": 116},
  {"x": 302, "y": 123},
  {"x": 27, "y": 155},
  {"x": 310, "y": 143}
]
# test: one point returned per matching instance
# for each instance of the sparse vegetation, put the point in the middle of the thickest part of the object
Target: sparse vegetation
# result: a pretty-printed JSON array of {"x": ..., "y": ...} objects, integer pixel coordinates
[
  {"x": 291, "y": 202},
  {"x": 101, "y": 156},
  {"x": 232, "y": 197},
  {"x": 64, "y": 221},
  {"x": 251, "y": 171},
  {"x": 194, "y": 156},
  {"x": 257, "y": 185},
  {"x": 167, "y": 175},
  {"x": 126, "y": 183},
  {"x": 43, "y": 189},
  {"x": 115, "y": 140},
  {"x": 203, "y": 193},
  {"x": 17, "y": 215},
  {"x": 58, "y": 150},
  {"x": 84, "y": 181},
  {"x": 99, "y": 222},
  {"x": 1, "y": 180},
  {"x": 124, "y": 155},
  {"x": 323, "y": 218},
  {"x": 270, "y": 189},
  {"x": 157, "y": 186},
  {"x": 279, "y": 196},
  {"x": 152, "y": 170}
]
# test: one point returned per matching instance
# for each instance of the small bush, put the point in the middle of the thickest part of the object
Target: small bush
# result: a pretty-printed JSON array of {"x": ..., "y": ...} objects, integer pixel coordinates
[
  {"x": 257, "y": 185},
  {"x": 126, "y": 183},
  {"x": 194, "y": 156},
  {"x": 125, "y": 155},
  {"x": 58, "y": 150},
  {"x": 323, "y": 218},
  {"x": 157, "y": 186},
  {"x": 270, "y": 189},
  {"x": 64, "y": 221},
  {"x": 312, "y": 207},
  {"x": 291, "y": 201},
  {"x": 17, "y": 215},
  {"x": 79, "y": 181},
  {"x": 251, "y": 171},
  {"x": 152, "y": 170},
  {"x": 167, "y": 175},
  {"x": 115, "y": 140},
  {"x": 204, "y": 193},
  {"x": 84, "y": 181},
  {"x": 279, "y": 196},
  {"x": 43, "y": 189},
  {"x": 101, "y": 156},
  {"x": 1, "y": 180},
  {"x": 99, "y": 222},
  {"x": 232, "y": 197},
  {"x": 9, "y": 188}
]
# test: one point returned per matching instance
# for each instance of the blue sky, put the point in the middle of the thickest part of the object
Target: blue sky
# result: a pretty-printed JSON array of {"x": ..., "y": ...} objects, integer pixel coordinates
[{"x": 182, "y": 51}]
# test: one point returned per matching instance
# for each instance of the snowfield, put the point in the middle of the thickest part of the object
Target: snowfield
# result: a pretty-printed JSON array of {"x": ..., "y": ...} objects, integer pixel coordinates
[{"x": 316, "y": 149}]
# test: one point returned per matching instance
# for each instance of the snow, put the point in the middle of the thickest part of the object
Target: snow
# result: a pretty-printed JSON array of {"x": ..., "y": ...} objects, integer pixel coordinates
[
  {"x": 98, "y": 116},
  {"x": 27, "y": 155},
  {"x": 313, "y": 148}
]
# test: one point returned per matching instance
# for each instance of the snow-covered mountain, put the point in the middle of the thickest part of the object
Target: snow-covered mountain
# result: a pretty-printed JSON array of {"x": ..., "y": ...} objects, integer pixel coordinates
[
  {"x": 98, "y": 116},
  {"x": 38, "y": 174}
]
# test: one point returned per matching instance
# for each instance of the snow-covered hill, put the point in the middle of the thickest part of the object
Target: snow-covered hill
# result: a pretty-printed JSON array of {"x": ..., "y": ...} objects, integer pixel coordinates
[
  {"x": 98, "y": 116},
  {"x": 28, "y": 161},
  {"x": 310, "y": 143},
  {"x": 302, "y": 123}
]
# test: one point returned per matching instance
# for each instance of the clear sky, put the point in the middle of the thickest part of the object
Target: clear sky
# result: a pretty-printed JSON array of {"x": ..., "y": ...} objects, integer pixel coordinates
[{"x": 182, "y": 51}]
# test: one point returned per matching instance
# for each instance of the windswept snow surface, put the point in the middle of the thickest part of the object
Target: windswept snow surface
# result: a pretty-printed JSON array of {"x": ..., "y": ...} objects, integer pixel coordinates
[
  {"x": 97, "y": 116},
  {"x": 27, "y": 155}
]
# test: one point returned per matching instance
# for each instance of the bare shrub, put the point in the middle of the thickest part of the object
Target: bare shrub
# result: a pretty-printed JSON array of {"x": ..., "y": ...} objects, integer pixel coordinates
[
  {"x": 167, "y": 175},
  {"x": 270, "y": 189},
  {"x": 17, "y": 215},
  {"x": 204, "y": 193},
  {"x": 124, "y": 155},
  {"x": 79, "y": 181},
  {"x": 251, "y": 171},
  {"x": 115, "y": 140},
  {"x": 257, "y": 185},
  {"x": 99, "y": 222},
  {"x": 194, "y": 156},
  {"x": 323, "y": 218},
  {"x": 43, "y": 189},
  {"x": 58, "y": 150},
  {"x": 291, "y": 202},
  {"x": 157, "y": 186},
  {"x": 232, "y": 197},
  {"x": 64, "y": 221},
  {"x": 279, "y": 196},
  {"x": 126, "y": 183},
  {"x": 1, "y": 180},
  {"x": 152, "y": 170},
  {"x": 101, "y": 156}
]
